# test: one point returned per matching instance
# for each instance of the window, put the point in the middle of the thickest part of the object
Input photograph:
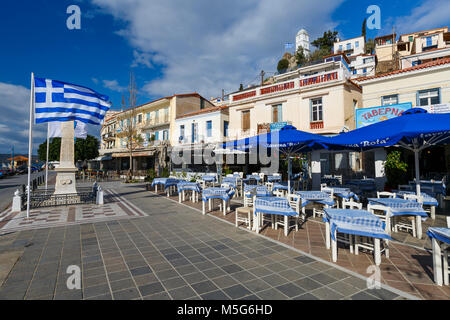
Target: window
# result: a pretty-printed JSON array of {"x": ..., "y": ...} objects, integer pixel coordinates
[
  {"x": 316, "y": 110},
  {"x": 389, "y": 100},
  {"x": 194, "y": 130},
  {"x": 410, "y": 38},
  {"x": 157, "y": 115},
  {"x": 429, "y": 41},
  {"x": 349, "y": 46},
  {"x": 246, "y": 120},
  {"x": 354, "y": 71},
  {"x": 182, "y": 132},
  {"x": 148, "y": 116},
  {"x": 416, "y": 63},
  {"x": 157, "y": 135},
  {"x": 340, "y": 47},
  {"x": 225, "y": 128},
  {"x": 277, "y": 115},
  {"x": 428, "y": 97},
  {"x": 209, "y": 128},
  {"x": 202, "y": 103},
  {"x": 165, "y": 135},
  {"x": 147, "y": 136},
  {"x": 364, "y": 70},
  {"x": 356, "y": 44},
  {"x": 140, "y": 118}
]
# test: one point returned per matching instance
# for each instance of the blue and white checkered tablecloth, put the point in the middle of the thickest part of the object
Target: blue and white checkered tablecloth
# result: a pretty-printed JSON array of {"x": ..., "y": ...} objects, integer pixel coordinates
[
  {"x": 315, "y": 196},
  {"x": 427, "y": 199},
  {"x": 400, "y": 207},
  {"x": 172, "y": 182},
  {"x": 442, "y": 234},
  {"x": 252, "y": 176},
  {"x": 273, "y": 178},
  {"x": 274, "y": 205},
  {"x": 345, "y": 193},
  {"x": 185, "y": 186},
  {"x": 356, "y": 222},
  {"x": 159, "y": 181},
  {"x": 259, "y": 191},
  {"x": 437, "y": 186},
  {"x": 281, "y": 186},
  {"x": 217, "y": 193},
  {"x": 209, "y": 178},
  {"x": 230, "y": 180}
]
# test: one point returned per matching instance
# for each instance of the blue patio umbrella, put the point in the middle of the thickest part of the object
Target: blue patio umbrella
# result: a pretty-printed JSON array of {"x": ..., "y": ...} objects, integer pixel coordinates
[
  {"x": 288, "y": 140},
  {"x": 414, "y": 130}
]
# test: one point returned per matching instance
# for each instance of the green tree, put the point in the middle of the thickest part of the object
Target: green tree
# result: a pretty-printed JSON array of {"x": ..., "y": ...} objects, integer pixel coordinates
[
  {"x": 370, "y": 46},
  {"x": 300, "y": 56},
  {"x": 53, "y": 150},
  {"x": 241, "y": 87},
  {"x": 327, "y": 41},
  {"x": 283, "y": 64},
  {"x": 395, "y": 169},
  {"x": 363, "y": 29},
  {"x": 86, "y": 149}
]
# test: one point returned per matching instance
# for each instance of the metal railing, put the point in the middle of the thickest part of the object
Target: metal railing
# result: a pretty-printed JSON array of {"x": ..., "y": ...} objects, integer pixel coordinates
[{"x": 48, "y": 198}]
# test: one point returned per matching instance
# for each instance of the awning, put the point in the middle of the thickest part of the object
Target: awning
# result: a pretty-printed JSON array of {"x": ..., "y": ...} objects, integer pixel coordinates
[
  {"x": 102, "y": 158},
  {"x": 135, "y": 154}
]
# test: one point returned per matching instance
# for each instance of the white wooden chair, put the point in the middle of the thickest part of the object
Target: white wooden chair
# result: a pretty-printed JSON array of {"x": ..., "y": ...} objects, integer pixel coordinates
[
  {"x": 385, "y": 194},
  {"x": 244, "y": 214},
  {"x": 339, "y": 177},
  {"x": 429, "y": 209},
  {"x": 351, "y": 204},
  {"x": 448, "y": 222}
]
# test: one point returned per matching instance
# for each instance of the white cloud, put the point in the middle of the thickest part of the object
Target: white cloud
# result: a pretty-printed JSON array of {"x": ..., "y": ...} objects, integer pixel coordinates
[
  {"x": 429, "y": 15},
  {"x": 209, "y": 45},
  {"x": 141, "y": 59},
  {"x": 113, "y": 85}
]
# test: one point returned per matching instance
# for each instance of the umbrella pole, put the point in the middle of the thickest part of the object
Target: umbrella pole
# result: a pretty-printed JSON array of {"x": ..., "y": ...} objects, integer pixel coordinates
[
  {"x": 289, "y": 173},
  {"x": 416, "y": 163}
]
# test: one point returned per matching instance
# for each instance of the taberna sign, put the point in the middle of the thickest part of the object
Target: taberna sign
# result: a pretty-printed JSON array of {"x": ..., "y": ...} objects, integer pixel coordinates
[{"x": 368, "y": 116}]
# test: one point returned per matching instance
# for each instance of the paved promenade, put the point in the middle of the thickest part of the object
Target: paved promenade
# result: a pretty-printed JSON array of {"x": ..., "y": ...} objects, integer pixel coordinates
[{"x": 173, "y": 252}]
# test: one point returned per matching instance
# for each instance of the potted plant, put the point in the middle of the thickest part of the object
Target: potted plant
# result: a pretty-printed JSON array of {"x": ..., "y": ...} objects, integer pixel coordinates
[{"x": 395, "y": 170}]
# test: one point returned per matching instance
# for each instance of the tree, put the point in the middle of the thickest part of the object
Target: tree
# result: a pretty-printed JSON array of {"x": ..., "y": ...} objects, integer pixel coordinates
[
  {"x": 241, "y": 87},
  {"x": 85, "y": 149},
  {"x": 283, "y": 64},
  {"x": 327, "y": 41},
  {"x": 370, "y": 46},
  {"x": 363, "y": 30},
  {"x": 128, "y": 125},
  {"x": 300, "y": 56},
  {"x": 53, "y": 150},
  {"x": 395, "y": 169}
]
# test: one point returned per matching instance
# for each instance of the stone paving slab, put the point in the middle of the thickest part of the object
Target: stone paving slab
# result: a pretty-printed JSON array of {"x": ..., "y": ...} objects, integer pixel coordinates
[
  {"x": 172, "y": 253},
  {"x": 409, "y": 268},
  {"x": 115, "y": 207}
]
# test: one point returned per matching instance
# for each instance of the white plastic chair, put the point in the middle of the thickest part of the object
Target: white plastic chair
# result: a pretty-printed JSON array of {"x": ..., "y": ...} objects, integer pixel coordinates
[
  {"x": 351, "y": 204},
  {"x": 385, "y": 194}
]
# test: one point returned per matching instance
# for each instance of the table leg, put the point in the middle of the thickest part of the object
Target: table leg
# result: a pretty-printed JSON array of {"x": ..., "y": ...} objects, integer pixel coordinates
[
  {"x": 156, "y": 188},
  {"x": 334, "y": 248},
  {"x": 433, "y": 212},
  {"x": 184, "y": 196},
  {"x": 286, "y": 226},
  {"x": 209, "y": 204},
  {"x": 357, "y": 240},
  {"x": 258, "y": 217},
  {"x": 419, "y": 227},
  {"x": 327, "y": 235},
  {"x": 203, "y": 207},
  {"x": 350, "y": 241},
  {"x": 437, "y": 262},
  {"x": 445, "y": 266},
  {"x": 377, "y": 252},
  {"x": 179, "y": 197},
  {"x": 224, "y": 207}
]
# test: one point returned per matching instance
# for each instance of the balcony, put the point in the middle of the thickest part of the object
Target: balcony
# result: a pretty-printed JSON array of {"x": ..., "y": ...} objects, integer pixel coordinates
[
  {"x": 316, "y": 125},
  {"x": 153, "y": 123},
  {"x": 303, "y": 82},
  {"x": 109, "y": 136}
]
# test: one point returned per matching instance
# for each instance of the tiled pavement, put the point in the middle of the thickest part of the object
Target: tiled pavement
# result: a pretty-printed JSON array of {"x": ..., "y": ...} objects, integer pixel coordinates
[
  {"x": 409, "y": 268},
  {"x": 173, "y": 253}
]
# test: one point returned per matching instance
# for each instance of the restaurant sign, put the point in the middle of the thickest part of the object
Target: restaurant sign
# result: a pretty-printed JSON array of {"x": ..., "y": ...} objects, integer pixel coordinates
[{"x": 368, "y": 116}]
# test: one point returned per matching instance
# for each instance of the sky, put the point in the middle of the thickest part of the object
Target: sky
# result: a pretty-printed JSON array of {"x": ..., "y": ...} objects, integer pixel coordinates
[{"x": 171, "y": 46}]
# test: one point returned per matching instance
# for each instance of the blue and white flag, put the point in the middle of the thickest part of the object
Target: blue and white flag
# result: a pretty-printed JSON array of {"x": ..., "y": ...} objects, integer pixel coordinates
[{"x": 60, "y": 101}]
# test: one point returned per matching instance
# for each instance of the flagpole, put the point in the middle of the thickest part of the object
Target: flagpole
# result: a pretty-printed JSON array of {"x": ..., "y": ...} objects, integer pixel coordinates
[
  {"x": 30, "y": 138},
  {"x": 46, "y": 162}
]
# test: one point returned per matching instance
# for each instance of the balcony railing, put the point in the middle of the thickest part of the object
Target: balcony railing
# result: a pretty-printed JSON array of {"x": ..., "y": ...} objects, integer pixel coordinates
[
  {"x": 303, "y": 82},
  {"x": 316, "y": 125}
]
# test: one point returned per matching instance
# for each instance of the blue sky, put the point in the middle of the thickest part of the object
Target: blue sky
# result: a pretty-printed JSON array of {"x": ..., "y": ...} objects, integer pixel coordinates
[{"x": 172, "y": 46}]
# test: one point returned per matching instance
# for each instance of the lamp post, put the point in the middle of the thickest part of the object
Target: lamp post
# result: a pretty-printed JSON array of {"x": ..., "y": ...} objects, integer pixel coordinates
[{"x": 12, "y": 159}]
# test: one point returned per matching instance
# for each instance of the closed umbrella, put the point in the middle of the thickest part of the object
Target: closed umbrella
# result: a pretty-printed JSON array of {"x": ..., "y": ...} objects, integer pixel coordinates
[{"x": 415, "y": 130}]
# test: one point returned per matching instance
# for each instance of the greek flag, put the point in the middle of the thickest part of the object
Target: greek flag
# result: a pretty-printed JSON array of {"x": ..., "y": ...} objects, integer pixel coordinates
[{"x": 60, "y": 101}]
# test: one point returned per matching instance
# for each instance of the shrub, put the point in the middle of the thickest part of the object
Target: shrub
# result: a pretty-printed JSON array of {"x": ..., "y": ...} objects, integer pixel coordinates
[{"x": 395, "y": 170}]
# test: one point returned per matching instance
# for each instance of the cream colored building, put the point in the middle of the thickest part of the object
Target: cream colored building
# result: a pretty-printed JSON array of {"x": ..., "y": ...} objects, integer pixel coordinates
[
  {"x": 320, "y": 99},
  {"x": 154, "y": 123}
]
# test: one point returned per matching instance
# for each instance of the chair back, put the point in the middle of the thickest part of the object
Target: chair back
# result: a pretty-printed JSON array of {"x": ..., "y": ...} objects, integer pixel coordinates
[
  {"x": 351, "y": 204},
  {"x": 278, "y": 193},
  {"x": 323, "y": 186},
  {"x": 330, "y": 191},
  {"x": 339, "y": 177},
  {"x": 230, "y": 175},
  {"x": 448, "y": 222},
  {"x": 413, "y": 197},
  {"x": 261, "y": 175},
  {"x": 276, "y": 174},
  {"x": 294, "y": 201},
  {"x": 385, "y": 194}
]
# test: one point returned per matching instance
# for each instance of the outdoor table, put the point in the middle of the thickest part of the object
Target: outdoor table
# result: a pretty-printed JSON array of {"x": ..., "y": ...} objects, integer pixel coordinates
[
  {"x": 232, "y": 181},
  {"x": 274, "y": 178},
  {"x": 400, "y": 207},
  {"x": 158, "y": 181},
  {"x": 427, "y": 200},
  {"x": 184, "y": 186},
  {"x": 363, "y": 185},
  {"x": 344, "y": 193},
  {"x": 252, "y": 177},
  {"x": 210, "y": 194},
  {"x": 208, "y": 178},
  {"x": 273, "y": 206},
  {"x": 440, "y": 239},
  {"x": 330, "y": 181},
  {"x": 354, "y": 222},
  {"x": 319, "y": 197},
  {"x": 437, "y": 186}
]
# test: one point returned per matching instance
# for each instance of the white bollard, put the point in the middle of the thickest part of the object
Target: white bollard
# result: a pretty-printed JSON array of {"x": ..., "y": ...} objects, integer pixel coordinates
[
  {"x": 99, "y": 199},
  {"x": 17, "y": 202}
]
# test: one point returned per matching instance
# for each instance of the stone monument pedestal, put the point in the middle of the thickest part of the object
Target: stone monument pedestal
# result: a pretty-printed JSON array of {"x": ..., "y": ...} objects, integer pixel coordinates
[{"x": 65, "y": 178}]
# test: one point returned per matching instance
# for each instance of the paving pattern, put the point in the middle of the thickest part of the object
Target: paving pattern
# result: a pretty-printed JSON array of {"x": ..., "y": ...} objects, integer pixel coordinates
[
  {"x": 172, "y": 253},
  {"x": 115, "y": 207},
  {"x": 409, "y": 268}
]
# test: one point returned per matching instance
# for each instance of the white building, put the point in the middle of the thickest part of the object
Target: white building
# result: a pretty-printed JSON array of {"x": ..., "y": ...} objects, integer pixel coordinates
[
  {"x": 302, "y": 40},
  {"x": 423, "y": 57},
  {"x": 362, "y": 65},
  {"x": 350, "y": 47}
]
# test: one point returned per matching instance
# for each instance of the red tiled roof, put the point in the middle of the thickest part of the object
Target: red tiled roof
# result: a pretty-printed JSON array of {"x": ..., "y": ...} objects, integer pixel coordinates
[
  {"x": 430, "y": 64},
  {"x": 207, "y": 110}
]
